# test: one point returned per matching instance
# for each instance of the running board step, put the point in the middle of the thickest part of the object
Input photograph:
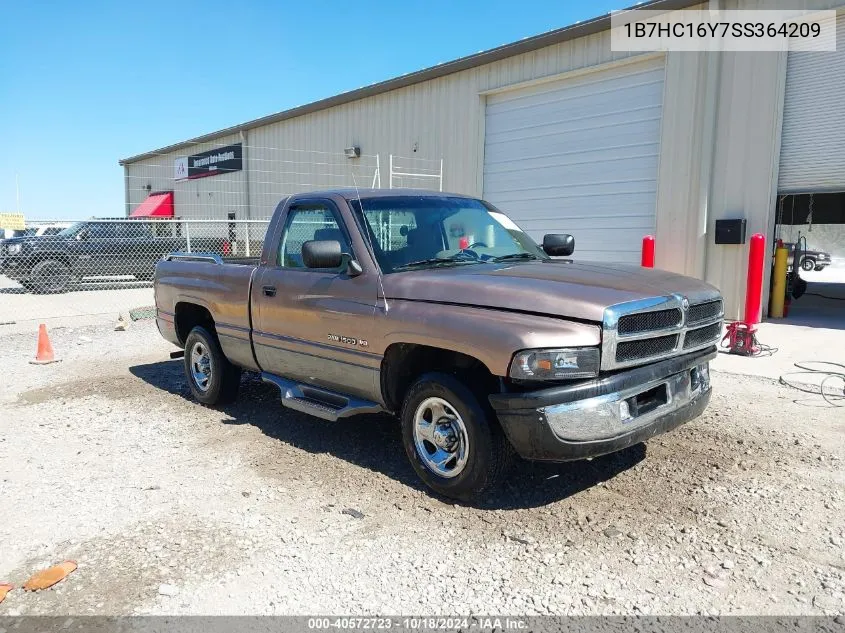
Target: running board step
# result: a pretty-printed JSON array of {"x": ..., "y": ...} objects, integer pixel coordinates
[{"x": 321, "y": 403}]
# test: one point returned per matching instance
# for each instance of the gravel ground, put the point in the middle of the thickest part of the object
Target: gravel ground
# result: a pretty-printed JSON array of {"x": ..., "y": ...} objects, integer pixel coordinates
[{"x": 170, "y": 507}]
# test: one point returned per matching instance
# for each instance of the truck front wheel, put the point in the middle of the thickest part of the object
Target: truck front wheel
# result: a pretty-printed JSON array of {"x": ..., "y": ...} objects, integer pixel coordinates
[
  {"x": 212, "y": 378},
  {"x": 454, "y": 446}
]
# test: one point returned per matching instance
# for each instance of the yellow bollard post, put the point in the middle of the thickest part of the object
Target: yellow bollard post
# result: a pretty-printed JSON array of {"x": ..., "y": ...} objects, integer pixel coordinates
[{"x": 779, "y": 281}]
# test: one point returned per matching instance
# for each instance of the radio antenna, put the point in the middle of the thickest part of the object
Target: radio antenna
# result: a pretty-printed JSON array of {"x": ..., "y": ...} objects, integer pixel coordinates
[{"x": 366, "y": 228}]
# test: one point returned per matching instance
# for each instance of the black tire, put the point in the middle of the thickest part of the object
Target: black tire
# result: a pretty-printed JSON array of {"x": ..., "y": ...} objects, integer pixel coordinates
[
  {"x": 489, "y": 453},
  {"x": 808, "y": 264},
  {"x": 49, "y": 276},
  {"x": 223, "y": 378}
]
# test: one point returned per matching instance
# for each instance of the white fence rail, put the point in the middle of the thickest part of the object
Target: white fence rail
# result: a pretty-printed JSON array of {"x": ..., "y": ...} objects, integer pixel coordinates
[{"x": 416, "y": 173}]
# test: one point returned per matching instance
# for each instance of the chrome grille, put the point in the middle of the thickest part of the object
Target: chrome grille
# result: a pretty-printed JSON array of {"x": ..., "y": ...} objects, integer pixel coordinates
[
  {"x": 702, "y": 335},
  {"x": 650, "y": 321},
  {"x": 638, "y": 332},
  {"x": 645, "y": 348},
  {"x": 704, "y": 311}
]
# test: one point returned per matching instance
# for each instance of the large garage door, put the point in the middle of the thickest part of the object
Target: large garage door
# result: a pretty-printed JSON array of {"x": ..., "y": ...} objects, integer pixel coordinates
[
  {"x": 580, "y": 156},
  {"x": 812, "y": 156}
]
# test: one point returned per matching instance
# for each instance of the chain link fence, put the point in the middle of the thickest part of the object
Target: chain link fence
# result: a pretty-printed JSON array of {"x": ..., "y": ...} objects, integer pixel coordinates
[
  {"x": 62, "y": 269},
  {"x": 106, "y": 266}
]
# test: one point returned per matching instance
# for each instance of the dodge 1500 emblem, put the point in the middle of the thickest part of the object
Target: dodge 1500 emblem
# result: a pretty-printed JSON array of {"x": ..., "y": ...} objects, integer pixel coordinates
[
  {"x": 348, "y": 340},
  {"x": 685, "y": 303}
]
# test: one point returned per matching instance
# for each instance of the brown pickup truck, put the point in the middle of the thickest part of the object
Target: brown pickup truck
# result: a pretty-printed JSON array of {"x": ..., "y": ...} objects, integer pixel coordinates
[{"x": 438, "y": 308}]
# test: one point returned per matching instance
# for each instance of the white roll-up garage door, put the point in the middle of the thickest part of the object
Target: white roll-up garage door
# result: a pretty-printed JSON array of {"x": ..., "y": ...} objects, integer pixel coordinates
[
  {"x": 812, "y": 155},
  {"x": 580, "y": 156}
]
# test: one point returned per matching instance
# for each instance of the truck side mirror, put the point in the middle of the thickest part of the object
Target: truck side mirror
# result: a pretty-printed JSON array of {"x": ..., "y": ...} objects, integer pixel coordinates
[
  {"x": 559, "y": 244},
  {"x": 322, "y": 254}
]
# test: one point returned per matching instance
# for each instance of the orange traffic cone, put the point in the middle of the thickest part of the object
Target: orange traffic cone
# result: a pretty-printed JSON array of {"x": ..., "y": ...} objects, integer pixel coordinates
[{"x": 45, "y": 354}]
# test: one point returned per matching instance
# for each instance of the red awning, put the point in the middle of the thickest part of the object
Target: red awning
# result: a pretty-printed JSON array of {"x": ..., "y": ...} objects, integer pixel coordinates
[{"x": 158, "y": 205}]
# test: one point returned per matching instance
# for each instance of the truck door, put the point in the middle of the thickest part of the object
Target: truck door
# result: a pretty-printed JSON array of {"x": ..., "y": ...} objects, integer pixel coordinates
[
  {"x": 137, "y": 249},
  {"x": 313, "y": 325},
  {"x": 95, "y": 247}
]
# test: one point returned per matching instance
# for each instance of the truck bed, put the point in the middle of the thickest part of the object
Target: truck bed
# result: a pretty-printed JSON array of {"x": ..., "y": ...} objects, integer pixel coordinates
[{"x": 221, "y": 285}]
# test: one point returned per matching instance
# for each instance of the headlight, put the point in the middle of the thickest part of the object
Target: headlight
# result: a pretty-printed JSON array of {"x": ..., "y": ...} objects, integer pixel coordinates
[
  {"x": 555, "y": 364},
  {"x": 14, "y": 249}
]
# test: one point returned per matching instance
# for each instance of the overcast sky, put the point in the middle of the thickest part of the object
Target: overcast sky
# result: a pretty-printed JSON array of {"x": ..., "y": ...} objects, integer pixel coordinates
[{"x": 83, "y": 84}]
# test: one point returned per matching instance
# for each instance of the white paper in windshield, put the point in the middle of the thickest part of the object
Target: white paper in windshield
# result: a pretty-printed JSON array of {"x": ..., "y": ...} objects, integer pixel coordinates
[{"x": 505, "y": 221}]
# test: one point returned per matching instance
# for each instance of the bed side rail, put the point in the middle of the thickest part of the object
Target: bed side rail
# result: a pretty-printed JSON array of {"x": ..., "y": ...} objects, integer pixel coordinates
[{"x": 213, "y": 258}]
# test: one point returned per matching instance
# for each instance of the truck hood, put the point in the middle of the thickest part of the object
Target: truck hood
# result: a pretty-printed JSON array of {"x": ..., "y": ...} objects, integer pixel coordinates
[{"x": 563, "y": 288}]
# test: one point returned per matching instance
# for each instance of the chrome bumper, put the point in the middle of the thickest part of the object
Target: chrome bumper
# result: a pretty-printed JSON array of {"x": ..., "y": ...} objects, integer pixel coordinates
[
  {"x": 621, "y": 412},
  {"x": 594, "y": 417}
]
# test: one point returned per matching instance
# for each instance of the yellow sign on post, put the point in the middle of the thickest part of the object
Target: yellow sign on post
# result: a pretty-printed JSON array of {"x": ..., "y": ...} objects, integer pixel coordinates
[{"x": 13, "y": 221}]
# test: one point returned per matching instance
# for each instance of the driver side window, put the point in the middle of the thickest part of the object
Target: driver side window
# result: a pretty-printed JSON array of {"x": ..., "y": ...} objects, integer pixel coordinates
[
  {"x": 305, "y": 223},
  {"x": 100, "y": 231}
]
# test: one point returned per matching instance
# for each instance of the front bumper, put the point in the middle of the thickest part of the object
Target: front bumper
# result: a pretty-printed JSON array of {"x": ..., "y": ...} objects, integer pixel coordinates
[
  {"x": 13, "y": 268},
  {"x": 606, "y": 414}
]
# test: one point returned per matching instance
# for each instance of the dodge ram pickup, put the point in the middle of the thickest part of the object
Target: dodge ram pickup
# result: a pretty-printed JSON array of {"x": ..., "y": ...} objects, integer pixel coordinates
[{"x": 439, "y": 309}]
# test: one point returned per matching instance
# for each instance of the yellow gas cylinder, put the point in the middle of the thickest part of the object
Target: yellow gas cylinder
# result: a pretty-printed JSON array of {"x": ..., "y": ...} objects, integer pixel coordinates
[{"x": 779, "y": 281}]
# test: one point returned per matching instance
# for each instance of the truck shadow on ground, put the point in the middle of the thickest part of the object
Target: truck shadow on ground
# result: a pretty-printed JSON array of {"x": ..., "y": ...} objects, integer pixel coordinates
[{"x": 373, "y": 442}]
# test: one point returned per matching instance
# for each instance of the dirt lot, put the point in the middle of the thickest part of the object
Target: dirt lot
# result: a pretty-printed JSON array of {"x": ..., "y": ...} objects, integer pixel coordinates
[{"x": 170, "y": 507}]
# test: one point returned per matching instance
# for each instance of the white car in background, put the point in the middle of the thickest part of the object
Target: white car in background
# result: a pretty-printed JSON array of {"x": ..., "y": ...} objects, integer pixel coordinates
[{"x": 35, "y": 231}]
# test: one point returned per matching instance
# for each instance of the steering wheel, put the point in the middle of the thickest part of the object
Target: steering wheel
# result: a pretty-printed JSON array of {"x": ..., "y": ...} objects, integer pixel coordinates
[
  {"x": 475, "y": 244},
  {"x": 465, "y": 253}
]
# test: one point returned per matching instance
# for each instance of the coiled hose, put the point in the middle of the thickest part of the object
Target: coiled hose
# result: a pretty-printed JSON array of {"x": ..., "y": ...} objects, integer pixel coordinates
[{"x": 830, "y": 388}]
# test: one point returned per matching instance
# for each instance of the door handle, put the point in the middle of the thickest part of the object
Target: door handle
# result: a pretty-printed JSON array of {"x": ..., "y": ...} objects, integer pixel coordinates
[{"x": 269, "y": 291}]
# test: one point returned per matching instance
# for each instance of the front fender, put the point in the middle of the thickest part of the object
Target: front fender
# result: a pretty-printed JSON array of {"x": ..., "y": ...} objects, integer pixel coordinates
[{"x": 489, "y": 335}]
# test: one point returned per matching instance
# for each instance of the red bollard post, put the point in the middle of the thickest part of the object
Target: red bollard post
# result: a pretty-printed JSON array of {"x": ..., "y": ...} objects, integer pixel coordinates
[
  {"x": 648, "y": 252},
  {"x": 754, "y": 285}
]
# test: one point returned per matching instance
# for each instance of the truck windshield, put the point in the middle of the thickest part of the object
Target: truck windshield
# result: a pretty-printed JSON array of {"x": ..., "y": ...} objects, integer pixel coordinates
[
  {"x": 73, "y": 229},
  {"x": 433, "y": 231}
]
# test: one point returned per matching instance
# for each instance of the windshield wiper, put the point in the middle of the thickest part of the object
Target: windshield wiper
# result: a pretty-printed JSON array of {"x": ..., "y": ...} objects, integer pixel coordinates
[
  {"x": 438, "y": 261},
  {"x": 502, "y": 258}
]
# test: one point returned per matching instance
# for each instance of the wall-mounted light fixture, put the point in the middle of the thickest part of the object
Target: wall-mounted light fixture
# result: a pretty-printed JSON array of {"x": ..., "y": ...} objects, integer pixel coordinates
[{"x": 352, "y": 152}]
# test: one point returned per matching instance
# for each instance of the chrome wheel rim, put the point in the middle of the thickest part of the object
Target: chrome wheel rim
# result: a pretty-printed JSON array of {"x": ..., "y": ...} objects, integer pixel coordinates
[
  {"x": 201, "y": 366},
  {"x": 440, "y": 437}
]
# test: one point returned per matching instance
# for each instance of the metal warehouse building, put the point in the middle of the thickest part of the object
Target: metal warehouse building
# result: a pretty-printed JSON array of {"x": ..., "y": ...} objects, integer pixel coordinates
[{"x": 563, "y": 134}]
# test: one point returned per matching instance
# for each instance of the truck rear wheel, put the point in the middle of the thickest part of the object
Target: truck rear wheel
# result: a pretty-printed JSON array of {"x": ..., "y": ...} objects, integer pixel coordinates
[
  {"x": 49, "y": 276},
  {"x": 454, "y": 445},
  {"x": 211, "y": 377}
]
